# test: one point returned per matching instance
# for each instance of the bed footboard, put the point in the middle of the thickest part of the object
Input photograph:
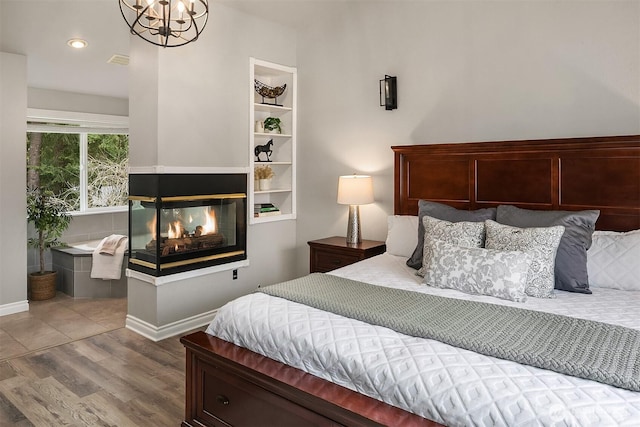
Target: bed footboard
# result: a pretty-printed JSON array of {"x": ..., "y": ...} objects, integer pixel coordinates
[{"x": 228, "y": 385}]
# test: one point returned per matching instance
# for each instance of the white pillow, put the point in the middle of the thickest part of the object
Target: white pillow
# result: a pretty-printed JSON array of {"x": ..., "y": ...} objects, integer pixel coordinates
[
  {"x": 613, "y": 260},
  {"x": 541, "y": 243},
  {"x": 477, "y": 271},
  {"x": 402, "y": 234}
]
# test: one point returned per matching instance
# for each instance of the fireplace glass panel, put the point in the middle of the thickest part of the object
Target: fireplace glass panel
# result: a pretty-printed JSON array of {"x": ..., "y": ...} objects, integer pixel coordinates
[{"x": 171, "y": 234}]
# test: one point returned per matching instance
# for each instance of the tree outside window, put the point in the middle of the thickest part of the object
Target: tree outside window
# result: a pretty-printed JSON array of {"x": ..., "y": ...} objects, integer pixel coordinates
[
  {"x": 53, "y": 166},
  {"x": 107, "y": 170},
  {"x": 87, "y": 171}
]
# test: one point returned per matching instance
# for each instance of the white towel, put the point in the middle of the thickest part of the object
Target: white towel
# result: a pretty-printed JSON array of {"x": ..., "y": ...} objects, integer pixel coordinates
[
  {"x": 109, "y": 244},
  {"x": 108, "y": 257}
]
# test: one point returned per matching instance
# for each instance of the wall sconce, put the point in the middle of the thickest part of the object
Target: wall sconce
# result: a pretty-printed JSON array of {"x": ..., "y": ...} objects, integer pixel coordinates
[
  {"x": 355, "y": 190},
  {"x": 389, "y": 93}
]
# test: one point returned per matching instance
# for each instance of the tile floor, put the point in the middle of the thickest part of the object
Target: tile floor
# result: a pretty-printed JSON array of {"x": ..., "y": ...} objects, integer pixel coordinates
[{"x": 58, "y": 321}]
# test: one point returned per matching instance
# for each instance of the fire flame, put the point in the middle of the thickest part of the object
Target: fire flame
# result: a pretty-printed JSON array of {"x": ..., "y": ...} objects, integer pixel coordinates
[
  {"x": 211, "y": 224},
  {"x": 176, "y": 230}
]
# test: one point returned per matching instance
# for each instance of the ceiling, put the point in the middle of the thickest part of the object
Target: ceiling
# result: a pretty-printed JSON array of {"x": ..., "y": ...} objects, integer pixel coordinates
[{"x": 40, "y": 29}]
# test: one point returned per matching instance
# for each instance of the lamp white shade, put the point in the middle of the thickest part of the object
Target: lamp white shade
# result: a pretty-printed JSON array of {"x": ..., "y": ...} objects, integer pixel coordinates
[{"x": 355, "y": 190}]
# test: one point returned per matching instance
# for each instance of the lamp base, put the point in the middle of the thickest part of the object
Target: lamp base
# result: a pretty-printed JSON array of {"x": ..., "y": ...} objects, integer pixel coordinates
[{"x": 353, "y": 227}]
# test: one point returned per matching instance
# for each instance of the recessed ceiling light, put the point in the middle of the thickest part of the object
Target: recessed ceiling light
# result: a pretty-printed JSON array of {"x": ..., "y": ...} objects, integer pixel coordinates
[{"x": 77, "y": 43}]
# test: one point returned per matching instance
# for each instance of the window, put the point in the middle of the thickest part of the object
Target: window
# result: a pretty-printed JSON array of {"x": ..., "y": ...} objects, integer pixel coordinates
[{"x": 80, "y": 158}]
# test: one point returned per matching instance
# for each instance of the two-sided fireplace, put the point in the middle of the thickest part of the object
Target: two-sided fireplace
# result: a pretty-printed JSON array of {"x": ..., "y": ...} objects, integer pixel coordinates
[{"x": 182, "y": 222}]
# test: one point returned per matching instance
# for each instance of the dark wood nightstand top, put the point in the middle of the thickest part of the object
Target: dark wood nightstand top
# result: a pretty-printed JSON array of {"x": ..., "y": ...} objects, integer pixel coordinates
[
  {"x": 341, "y": 242},
  {"x": 334, "y": 252}
]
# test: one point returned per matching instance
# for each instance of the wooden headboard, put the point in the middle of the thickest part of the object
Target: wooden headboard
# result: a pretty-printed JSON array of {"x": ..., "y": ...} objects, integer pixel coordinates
[{"x": 554, "y": 174}]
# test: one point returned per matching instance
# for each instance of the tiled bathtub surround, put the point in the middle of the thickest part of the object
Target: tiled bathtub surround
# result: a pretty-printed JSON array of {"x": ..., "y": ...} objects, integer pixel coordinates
[{"x": 74, "y": 275}]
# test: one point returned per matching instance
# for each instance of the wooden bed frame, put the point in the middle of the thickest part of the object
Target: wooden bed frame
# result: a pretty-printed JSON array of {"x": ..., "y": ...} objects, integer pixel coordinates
[
  {"x": 566, "y": 174},
  {"x": 229, "y": 385}
]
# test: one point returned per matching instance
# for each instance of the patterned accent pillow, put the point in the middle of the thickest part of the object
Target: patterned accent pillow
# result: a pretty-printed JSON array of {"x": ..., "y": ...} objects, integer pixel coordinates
[
  {"x": 446, "y": 213},
  {"x": 541, "y": 243},
  {"x": 465, "y": 233},
  {"x": 478, "y": 271}
]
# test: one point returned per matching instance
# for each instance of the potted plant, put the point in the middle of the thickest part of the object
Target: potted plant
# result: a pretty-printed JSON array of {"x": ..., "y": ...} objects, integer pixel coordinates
[
  {"x": 263, "y": 175},
  {"x": 49, "y": 217},
  {"x": 272, "y": 124}
]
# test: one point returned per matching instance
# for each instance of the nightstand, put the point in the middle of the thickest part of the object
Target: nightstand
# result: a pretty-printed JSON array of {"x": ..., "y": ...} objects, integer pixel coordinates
[{"x": 333, "y": 252}]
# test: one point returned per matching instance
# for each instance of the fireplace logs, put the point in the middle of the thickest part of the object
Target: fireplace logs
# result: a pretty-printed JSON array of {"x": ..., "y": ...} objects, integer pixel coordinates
[{"x": 170, "y": 246}]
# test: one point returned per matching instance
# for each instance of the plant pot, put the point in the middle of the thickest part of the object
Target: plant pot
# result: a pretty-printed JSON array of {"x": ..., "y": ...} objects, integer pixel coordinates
[
  {"x": 42, "y": 286},
  {"x": 265, "y": 184}
]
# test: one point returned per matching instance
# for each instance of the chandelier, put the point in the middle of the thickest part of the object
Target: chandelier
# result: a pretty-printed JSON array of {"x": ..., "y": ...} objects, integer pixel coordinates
[{"x": 166, "y": 23}]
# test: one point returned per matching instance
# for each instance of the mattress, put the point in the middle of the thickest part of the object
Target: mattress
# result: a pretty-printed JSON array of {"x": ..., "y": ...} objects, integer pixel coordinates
[{"x": 440, "y": 382}]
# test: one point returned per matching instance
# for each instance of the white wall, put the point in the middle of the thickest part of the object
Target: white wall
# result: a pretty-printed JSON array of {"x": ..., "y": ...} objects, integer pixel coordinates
[
  {"x": 47, "y": 99},
  {"x": 467, "y": 71},
  {"x": 208, "y": 110},
  {"x": 189, "y": 109},
  {"x": 189, "y": 105},
  {"x": 13, "y": 200}
]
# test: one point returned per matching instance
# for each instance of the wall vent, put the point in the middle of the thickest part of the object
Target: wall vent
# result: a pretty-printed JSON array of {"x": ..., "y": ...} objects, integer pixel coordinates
[{"x": 119, "y": 60}]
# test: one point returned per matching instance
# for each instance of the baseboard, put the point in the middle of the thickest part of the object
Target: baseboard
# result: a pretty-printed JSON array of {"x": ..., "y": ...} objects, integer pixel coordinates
[
  {"x": 158, "y": 333},
  {"x": 14, "y": 307}
]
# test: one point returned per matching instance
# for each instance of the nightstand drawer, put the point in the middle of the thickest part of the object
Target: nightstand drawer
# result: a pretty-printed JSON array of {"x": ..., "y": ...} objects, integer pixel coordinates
[{"x": 329, "y": 260}]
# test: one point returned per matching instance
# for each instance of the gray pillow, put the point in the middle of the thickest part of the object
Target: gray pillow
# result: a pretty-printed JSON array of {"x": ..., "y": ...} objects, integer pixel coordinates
[
  {"x": 571, "y": 258},
  {"x": 446, "y": 213}
]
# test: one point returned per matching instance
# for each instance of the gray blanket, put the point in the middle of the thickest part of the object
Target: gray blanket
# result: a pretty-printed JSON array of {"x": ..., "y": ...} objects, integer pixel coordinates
[{"x": 583, "y": 348}]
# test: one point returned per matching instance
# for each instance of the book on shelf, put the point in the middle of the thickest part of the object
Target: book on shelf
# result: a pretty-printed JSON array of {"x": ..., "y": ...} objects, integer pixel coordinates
[
  {"x": 264, "y": 207},
  {"x": 266, "y": 214}
]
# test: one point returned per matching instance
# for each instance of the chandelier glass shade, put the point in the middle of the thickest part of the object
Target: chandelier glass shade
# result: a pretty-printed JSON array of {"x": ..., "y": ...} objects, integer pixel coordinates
[{"x": 166, "y": 23}]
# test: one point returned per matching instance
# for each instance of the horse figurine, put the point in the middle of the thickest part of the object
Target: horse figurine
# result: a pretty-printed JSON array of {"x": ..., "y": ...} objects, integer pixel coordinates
[{"x": 266, "y": 148}]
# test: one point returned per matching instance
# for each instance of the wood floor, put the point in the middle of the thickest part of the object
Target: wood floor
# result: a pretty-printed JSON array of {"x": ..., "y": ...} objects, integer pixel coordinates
[{"x": 113, "y": 378}]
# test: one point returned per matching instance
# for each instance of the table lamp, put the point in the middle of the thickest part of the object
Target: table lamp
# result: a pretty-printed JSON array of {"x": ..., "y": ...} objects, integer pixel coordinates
[{"x": 355, "y": 190}]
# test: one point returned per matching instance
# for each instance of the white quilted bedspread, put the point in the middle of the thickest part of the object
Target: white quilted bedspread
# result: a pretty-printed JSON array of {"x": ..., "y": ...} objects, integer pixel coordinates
[{"x": 443, "y": 383}]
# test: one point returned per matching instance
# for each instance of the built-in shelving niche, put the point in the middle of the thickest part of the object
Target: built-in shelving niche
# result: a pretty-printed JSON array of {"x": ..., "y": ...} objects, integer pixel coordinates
[{"x": 282, "y": 191}]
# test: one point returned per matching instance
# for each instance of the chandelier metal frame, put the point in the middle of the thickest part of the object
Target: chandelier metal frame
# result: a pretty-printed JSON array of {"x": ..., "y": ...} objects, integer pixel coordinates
[{"x": 166, "y": 23}]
